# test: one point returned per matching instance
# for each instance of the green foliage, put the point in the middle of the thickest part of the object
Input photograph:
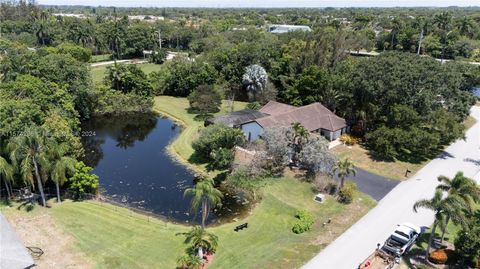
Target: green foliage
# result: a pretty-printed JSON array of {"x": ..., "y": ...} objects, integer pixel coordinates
[
  {"x": 111, "y": 102},
  {"x": 254, "y": 106},
  {"x": 215, "y": 137},
  {"x": 82, "y": 181},
  {"x": 186, "y": 75},
  {"x": 304, "y": 222},
  {"x": 467, "y": 243},
  {"x": 347, "y": 192},
  {"x": 81, "y": 54},
  {"x": 221, "y": 158},
  {"x": 128, "y": 79},
  {"x": 159, "y": 56},
  {"x": 205, "y": 99}
]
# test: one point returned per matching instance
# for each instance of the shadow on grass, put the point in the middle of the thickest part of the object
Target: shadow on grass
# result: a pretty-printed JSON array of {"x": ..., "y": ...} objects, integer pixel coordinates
[{"x": 408, "y": 156}]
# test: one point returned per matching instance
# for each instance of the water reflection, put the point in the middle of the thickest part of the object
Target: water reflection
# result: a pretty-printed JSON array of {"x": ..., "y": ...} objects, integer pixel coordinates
[{"x": 129, "y": 155}]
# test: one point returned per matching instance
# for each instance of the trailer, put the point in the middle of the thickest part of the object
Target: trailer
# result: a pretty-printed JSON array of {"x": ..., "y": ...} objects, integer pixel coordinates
[{"x": 380, "y": 259}]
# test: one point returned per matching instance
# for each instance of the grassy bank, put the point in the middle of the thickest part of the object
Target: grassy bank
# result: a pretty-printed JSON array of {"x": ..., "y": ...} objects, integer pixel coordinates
[
  {"x": 112, "y": 237},
  {"x": 177, "y": 109}
]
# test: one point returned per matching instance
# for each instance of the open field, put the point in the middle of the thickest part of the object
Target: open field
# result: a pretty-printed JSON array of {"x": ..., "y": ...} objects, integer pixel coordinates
[
  {"x": 98, "y": 73},
  {"x": 394, "y": 170},
  {"x": 177, "y": 109},
  {"x": 111, "y": 237}
]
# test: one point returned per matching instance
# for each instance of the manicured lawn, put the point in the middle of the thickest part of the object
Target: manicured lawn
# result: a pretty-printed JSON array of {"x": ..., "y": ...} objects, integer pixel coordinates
[
  {"x": 98, "y": 73},
  {"x": 360, "y": 156},
  {"x": 177, "y": 108},
  {"x": 117, "y": 238},
  {"x": 394, "y": 170}
]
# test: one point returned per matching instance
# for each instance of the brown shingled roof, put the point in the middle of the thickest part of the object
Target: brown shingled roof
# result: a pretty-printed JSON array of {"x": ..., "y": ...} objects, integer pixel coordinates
[
  {"x": 313, "y": 117},
  {"x": 276, "y": 108}
]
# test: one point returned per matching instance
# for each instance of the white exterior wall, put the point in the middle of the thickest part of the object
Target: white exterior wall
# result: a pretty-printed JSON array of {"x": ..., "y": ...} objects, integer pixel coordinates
[
  {"x": 252, "y": 130},
  {"x": 333, "y": 135}
]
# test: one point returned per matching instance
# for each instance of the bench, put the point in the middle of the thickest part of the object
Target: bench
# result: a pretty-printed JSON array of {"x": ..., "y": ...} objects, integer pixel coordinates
[{"x": 241, "y": 226}]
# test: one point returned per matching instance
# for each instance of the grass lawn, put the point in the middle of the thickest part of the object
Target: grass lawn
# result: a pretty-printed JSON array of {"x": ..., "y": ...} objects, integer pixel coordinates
[
  {"x": 98, "y": 73},
  {"x": 112, "y": 237},
  {"x": 100, "y": 58},
  {"x": 394, "y": 170},
  {"x": 176, "y": 108}
]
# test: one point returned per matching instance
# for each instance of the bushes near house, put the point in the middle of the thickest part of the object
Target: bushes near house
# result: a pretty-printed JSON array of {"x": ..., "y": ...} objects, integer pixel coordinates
[
  {"x": 215, "y": 145},
  {"x": 347, "y": 192},
  {"x": 348, "y": 139},
  {"x": 441, "y": 256},
  {"x": 325, "y": 183},
  {"x": 304, "y": 221}
]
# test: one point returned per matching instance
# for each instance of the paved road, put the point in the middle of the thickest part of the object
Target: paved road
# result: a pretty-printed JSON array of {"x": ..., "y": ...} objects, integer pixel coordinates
[
  {"x": 375, "y": 186},
  {"x": 353, "y": 246}
]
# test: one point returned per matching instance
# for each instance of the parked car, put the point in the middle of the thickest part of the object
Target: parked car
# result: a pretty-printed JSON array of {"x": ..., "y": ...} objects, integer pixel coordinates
[{"x": 402, "y": 239}]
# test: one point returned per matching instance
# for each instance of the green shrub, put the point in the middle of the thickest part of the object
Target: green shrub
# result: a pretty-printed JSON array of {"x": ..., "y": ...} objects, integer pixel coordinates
[
  {"x": 83, "y": 182},
  {"x": 215, "y": 137},
  {"x": 79, "y": 53},
  {"x": 221, "y": 158},
  {"x": 204, "y": 100},
  {"x": 254, "y": 105},
  {"x": 304, "y": 222},
  {"x": 467, "y": 243},
  {"x": 347, "y": 192}
]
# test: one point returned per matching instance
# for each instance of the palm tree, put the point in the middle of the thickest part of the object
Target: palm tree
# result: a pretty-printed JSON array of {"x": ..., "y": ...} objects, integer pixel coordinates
[
  {"x": 443, "y": 22},
  {"x": 59, "y": 165},
  {"x": 300, "y": 136},
  {"x": 189, "y": 261},
  {"x": 26, "y": 151},
  {"x": 464, "y": 188},
  {"x": 6, "y": 174},
  {"x": 465, "y": 26},
  {"x": 201, "y": 240},
  {"x": 442, "y": 207},
  {"x": 255, "y": 80},
  {"x": 206, "y": 195},
  {"x": 344, "y": 168}
]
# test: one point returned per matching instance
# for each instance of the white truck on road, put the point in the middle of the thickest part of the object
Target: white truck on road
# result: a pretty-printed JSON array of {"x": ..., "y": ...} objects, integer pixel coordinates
[{"x": 397, "y": 244}]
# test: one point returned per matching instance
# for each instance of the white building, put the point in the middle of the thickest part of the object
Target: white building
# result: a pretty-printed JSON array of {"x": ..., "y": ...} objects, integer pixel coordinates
[{"x": 284, "y": 28}]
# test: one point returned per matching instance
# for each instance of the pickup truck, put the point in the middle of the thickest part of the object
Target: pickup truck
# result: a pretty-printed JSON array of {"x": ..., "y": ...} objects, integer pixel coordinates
[
  {"x": 397, "y": 244},
  {"x": 380, "y": 259},
  {"x": 402, "y": 239}
]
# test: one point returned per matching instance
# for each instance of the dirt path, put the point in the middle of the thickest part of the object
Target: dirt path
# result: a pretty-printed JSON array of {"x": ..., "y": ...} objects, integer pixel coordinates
[{"x": 41, "y": 230}]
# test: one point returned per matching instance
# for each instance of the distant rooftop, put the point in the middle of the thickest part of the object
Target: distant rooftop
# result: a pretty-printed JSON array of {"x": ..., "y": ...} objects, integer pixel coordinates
[
  {"x": 285, "y": 28},
  {"x": 13, "y": 254}
]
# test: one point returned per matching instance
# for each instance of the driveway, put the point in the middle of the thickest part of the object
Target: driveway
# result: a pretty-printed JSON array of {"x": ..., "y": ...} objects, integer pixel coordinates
[
  {"x": 353, "y": 246},
  {"x": 374, "y": 185}
]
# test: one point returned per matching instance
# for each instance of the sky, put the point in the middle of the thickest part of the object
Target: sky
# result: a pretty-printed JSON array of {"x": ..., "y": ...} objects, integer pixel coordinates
[{"x": 263, "y": 3}]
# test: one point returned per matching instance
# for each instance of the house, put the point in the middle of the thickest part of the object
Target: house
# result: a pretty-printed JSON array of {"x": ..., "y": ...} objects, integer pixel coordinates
[
  {"x": 314, "y": 117},
  {"x": 284, "y": 28},
  {"x": 243, "y": 119}
]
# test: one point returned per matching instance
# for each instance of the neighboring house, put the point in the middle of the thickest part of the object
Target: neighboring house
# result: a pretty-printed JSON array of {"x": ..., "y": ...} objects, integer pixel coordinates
[
  {"x": 283, "y": 28},
  {"x": 314, "y": 117}
]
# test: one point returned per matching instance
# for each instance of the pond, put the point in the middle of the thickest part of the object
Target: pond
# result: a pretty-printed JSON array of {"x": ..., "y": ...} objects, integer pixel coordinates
[{"x": 130, "y": 157}]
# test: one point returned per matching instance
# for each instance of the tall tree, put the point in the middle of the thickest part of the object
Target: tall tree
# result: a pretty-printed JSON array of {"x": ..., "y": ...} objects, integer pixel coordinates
[
  {"x": 201, "y": 240},
  {"x": 444, "y": 23},
  {"x": 6, "y": 174},
  {"x": 59, "y": 165},
  {"x": 27, "y": 153},
  {"x": 462, "y": 187},
  {"x": 204, "y": 195},
  {"x": 255, "y": 80},
  {"x": 344, "y": 168},
  {"x": 442, "y": 207}
]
